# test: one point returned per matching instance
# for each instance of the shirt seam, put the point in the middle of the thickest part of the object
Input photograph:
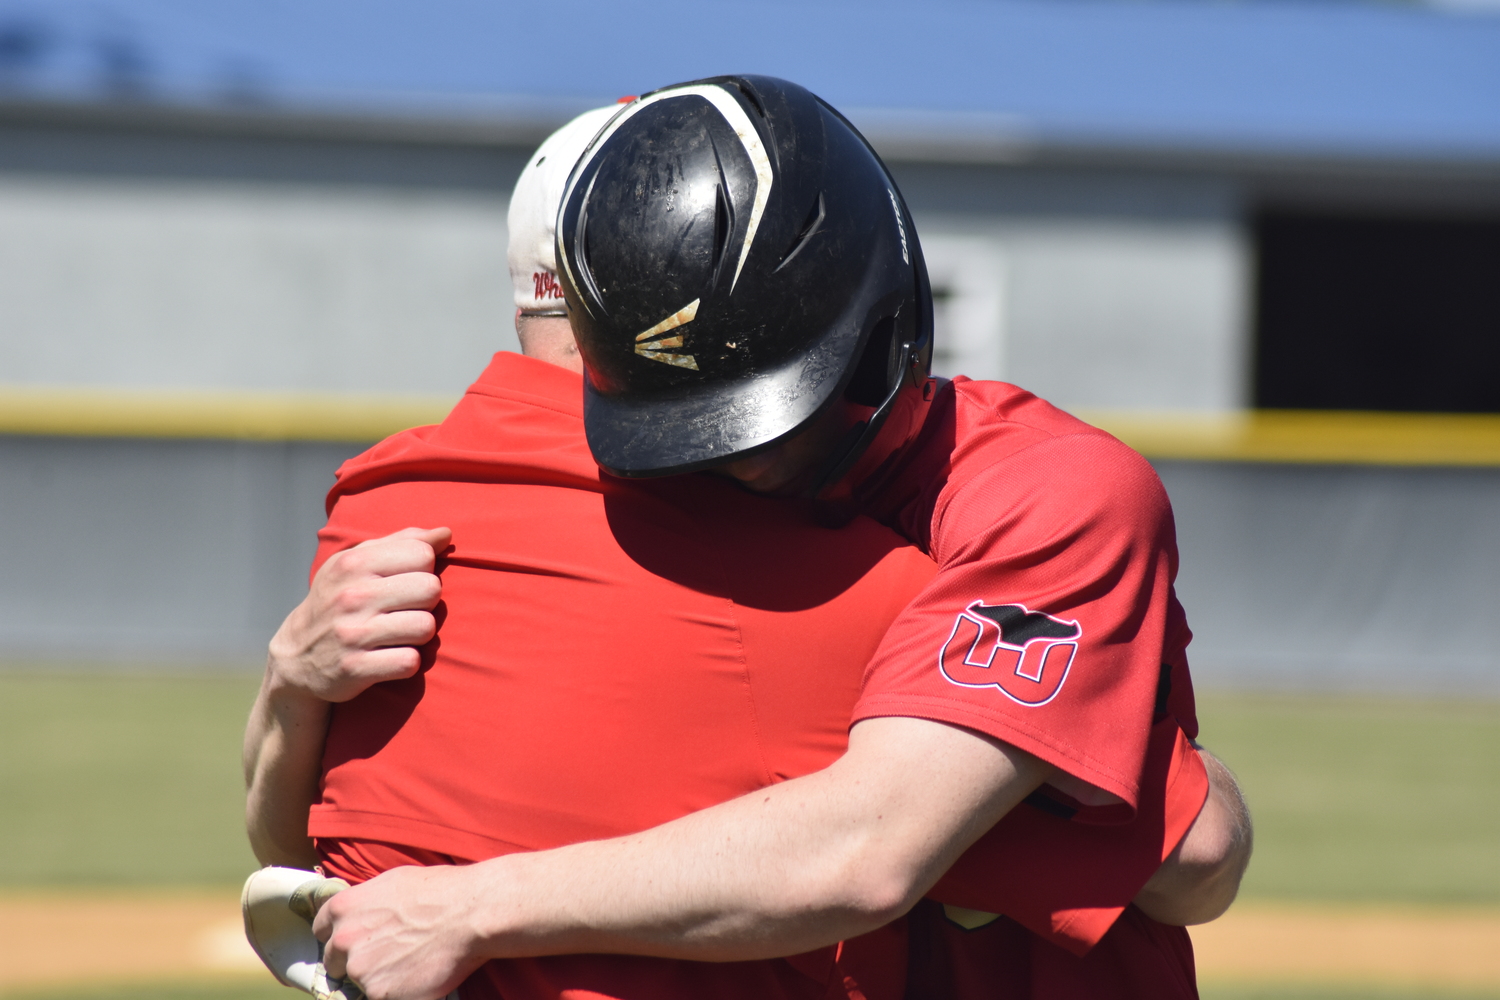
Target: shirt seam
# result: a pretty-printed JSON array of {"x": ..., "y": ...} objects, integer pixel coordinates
[
  {"x": 760, "y": 743},
  {"x": 528, "y": 399}
]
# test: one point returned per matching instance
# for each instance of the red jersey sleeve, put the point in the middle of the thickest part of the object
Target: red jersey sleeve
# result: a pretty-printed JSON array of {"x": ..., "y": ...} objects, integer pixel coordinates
[
  {"x": 1069, "y": 882},
  {"x": 1048, "y": 622}
]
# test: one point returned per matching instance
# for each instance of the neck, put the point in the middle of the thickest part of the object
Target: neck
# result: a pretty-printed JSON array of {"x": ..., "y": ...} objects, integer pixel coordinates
[
  {"x": 549, "y": 339},
  {"x": 901, "y": 428}
]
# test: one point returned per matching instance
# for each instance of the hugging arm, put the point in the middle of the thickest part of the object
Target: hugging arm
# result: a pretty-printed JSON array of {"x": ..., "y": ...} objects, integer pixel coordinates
[
  {"x": 367, "y": 610},
  {"x": 779, "y": 871},
  {"x": 1201, "y": 877},
  {"x": 782, "y": 870}
]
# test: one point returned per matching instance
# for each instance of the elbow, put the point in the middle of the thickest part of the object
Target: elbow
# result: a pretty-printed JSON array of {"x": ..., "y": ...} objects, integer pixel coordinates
[
  {"x": 879, "y": 895},
  {"x": 278, "y": 837},
  {"x": 1195, "y": 891},
  {"x": 288, "y": 852},
  {"x": 1217, "y": 887},
  {"x": 1201, "y": 878},
  {"x": 866, "y": 887}
]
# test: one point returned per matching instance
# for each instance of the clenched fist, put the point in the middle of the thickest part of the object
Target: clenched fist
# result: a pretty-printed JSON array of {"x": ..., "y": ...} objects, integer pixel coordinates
[{"x": 368, "y": 610}]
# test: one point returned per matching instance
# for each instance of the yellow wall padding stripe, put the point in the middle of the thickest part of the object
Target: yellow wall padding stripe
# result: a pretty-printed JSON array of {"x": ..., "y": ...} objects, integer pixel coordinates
[
  {"x": 227, "y": 415},
  {"x": 1312, "y": 436}
]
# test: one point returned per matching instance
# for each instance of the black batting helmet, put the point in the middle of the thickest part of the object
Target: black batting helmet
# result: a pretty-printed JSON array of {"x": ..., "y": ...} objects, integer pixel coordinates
[{"x": 735, "y": 257}]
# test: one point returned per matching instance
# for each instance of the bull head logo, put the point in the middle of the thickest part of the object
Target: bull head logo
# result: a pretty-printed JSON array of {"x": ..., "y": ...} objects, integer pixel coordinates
[{"x": 1024, "y": 654}]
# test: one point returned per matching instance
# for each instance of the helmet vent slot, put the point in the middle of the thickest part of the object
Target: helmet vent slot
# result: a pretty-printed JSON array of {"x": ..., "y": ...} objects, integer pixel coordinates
[
  {"x": 872, "y": 376},
  {"x": 723, "y": 230},
  {"x": 751, "y": 96},
  {"x": 810, "y": 226}
]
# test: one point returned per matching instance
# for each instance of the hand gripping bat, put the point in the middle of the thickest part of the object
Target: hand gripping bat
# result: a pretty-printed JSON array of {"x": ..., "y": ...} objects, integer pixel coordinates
[{"x": 279, "y": 905}]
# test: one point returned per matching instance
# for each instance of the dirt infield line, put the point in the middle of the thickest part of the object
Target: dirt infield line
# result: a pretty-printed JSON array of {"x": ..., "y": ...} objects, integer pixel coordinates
[
  {"x": 1391, "y": 946},
  {"x": 60, "y": 938}
]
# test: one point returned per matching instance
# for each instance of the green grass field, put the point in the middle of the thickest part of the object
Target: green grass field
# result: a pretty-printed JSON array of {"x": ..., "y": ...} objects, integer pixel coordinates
[
  {"x": 117, "y": 779},
  {"x": 1368, "y": 799}
]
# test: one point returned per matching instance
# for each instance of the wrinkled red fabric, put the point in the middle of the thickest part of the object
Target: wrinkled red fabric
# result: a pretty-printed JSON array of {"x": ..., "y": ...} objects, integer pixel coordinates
[{"x": 611, "y": 655}]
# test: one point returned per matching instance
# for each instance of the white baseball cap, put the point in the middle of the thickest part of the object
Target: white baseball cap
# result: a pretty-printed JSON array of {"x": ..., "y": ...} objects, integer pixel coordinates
[{"x": 533, "y": 213}]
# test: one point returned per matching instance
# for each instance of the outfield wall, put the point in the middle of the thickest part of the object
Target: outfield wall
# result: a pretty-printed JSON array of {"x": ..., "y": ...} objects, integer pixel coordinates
[
  {"x": 1340, "y": 577},
  {"x": 189, "y": 552},
  {"x": 155, "y": 552},
  {"x": 202, "y": 314}
]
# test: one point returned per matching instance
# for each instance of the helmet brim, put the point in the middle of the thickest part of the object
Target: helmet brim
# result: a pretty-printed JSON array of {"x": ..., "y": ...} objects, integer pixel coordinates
[{"x": 639, "y": 436}]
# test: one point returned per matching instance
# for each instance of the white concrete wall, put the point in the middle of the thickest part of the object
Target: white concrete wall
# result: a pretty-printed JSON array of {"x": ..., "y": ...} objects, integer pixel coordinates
[
  {"x": 1107, "y": 313},
  {"x": 214, "y": 284},
  {"x": 1097, "y": 290},
  {"x": 1098, "y": 293},
  {"x": 970, "y": 293},
  {"x": 282, "y": 286},
  {"x": 190, "y": 552}
]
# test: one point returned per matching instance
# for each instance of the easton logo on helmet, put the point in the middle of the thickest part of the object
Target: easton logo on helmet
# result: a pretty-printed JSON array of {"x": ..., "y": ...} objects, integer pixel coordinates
[
  {"x": 1024, "y": 654},
  {"x": 656, "y": 349}
]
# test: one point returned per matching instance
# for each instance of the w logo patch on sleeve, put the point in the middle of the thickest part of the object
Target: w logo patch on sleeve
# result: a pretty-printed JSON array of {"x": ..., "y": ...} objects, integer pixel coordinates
[{"x": 1024, "y": 654}]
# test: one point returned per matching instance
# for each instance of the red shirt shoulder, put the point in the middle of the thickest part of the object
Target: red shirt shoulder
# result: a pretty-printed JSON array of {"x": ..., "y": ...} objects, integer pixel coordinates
[
  {"x": 1051, "y": 625},
  {"x": 518, "y": 422},
  {"x": 1052, "y": 613}
]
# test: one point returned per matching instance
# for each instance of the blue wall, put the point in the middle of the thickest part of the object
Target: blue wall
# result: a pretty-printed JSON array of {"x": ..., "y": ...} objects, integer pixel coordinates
[{"x": 1379, "y": 79}]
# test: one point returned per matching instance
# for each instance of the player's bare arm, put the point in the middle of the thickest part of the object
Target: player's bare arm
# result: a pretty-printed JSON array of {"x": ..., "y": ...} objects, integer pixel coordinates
[
  {"x": 1200, "y": 879},
  {"x": 780, "y": 871},
  {"x": 366, "y": 612},
  {"x": 787, "y": 869}
]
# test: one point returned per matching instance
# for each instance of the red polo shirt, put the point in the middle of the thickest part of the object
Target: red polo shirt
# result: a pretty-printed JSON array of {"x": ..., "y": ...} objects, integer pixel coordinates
[
  {"x": 1051, "y": 625},
  {"x": 613, "y": 655},
  {"x": 610, "y": 656}
]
